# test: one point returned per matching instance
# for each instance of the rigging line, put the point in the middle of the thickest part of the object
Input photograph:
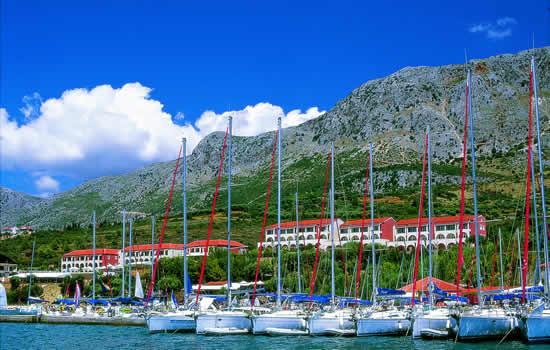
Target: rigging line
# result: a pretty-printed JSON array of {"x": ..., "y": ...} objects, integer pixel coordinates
[
  {"x": 343, "y": 259},
  {"x": 362, "y": 231},
  {"x": 462, "y": 198},
  {"x": 319, "y": 233},
  {"x": 264, "y": 220},
  {"x": 107, "y": 265},
  {"x": 494, "y": 263},
  {"x": 365, "y": 278},
  {"x": 211, "y": 218},
  {"x": 527, "y": 195},
  {"x": 420, "y": 221},
  {"x": 163, "y": 229}
]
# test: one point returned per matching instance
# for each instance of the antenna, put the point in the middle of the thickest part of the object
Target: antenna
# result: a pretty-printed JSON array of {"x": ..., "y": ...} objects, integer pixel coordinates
[{"x": 465, "y": 59}]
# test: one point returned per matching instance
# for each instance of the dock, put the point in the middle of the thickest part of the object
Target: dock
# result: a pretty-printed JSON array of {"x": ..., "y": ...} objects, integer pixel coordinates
[{"x": 52, "y": 319}]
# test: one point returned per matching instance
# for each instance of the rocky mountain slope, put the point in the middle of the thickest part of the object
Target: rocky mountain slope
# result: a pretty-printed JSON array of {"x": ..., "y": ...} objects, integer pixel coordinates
[{"x": 390, "y": 112}]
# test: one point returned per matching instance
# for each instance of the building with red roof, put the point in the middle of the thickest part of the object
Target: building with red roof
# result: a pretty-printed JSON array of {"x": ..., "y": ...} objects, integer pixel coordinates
[
  {"x": 82, "y": 260},
  {"x": 383, "y": 230},
  {"x": 13, "y": 231},
  {"x": 445, "y": 231},
  {"x": 308, "y": 230}
]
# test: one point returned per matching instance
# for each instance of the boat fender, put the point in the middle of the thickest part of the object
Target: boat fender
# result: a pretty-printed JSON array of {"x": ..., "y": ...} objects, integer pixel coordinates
[
  {"x": 61, "y": 308},
  {"x": 448, "y": 324},
  {"x": 400, "y": 325},
  {"x": 99, "y": 311}
]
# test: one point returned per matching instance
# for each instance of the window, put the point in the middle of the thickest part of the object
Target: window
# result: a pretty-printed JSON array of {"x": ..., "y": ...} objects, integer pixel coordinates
[
  {"x": 466, "y": 225},
  {"x": 376, "y": 227},
  {"x": 401, "y": 230},
  {"x": 325, "y": 228},
  {"x": 356, "y": 229},
  {"x": 302, "y": 230},
  {"x": 269, "y": 232},
  {"x": 310, "y": 229},
  {"x": 412, "y": 229},
  {"x": 424, "y": 228},
  {"x": 450, "y": 227},
  {"x": 344, "y": 230},
  {"x": 440, "y": 227}
]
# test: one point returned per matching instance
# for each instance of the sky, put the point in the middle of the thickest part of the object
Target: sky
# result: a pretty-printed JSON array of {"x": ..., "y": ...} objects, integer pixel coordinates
[{"x": 89, "y": 89}]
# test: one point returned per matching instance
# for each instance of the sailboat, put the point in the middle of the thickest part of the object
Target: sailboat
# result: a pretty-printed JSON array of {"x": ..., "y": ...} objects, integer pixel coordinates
[
  {"x": 177, "y": 320},
  {"x": 481, "y": 323},
  {"x": 431, "y": 322},
  {"x": 536, "y": 321},
  {"x": 229, "y": 321},
  {"x": 380, "y": 320},
  {"x": 334, "y": 321},
  {"x": 279, "y": 321}
]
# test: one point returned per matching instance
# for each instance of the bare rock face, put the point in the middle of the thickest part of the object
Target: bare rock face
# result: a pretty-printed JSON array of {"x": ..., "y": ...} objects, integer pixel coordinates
[{"x": 392, "y": 113}]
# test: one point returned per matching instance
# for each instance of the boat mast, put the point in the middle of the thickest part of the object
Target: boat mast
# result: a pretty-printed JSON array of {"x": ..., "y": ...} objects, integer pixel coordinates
[
  {"x": 152, "y": 244},
  {"x": 279, "y": 214},
  {"x": 537, "y": 269},
  {"x": 476, "y": 219},
  {"x": 372, "y": 227},
  {"x": 229, "y": 216},
  {"x": 332, "y": 220},
  {"x": 298, "y": 242},
  {"x": 184, "y": 173},
  {"x": 130, "y": 261},
  {"x": 430, "y": 286},
  {"x": 93, "y": 262},
  {"x": 123, "y": 247},
  {"x": 543, "y": 198},
  {"x": 30, "y": 274},
  {"x": 501, "y": 266}
]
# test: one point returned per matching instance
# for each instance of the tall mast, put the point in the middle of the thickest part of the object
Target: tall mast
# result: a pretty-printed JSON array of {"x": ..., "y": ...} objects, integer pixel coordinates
[
  {"x": 543, "y": 198},
  {"x": 476, "y": 219},
  {"x": 93, "y": 261},
  {"x": 279, "y": 214},
  {"x": 430, "y": 286},
  {"x": 537, "y": 269},
  {"x": 372, "y": 227},
  {"x": 298, "y": 242},
  {"x": 229, "y": 215},
  {"x": 332, "y": 220},
  {"x": 152, "y": 244},
  {"x": 184, "y": 171},
  {"x": 123, "y": 247},
  {"x": 130, "y": 261},
  {"x": 30, "y": 274},
  {"x": 501, "y": 266}
]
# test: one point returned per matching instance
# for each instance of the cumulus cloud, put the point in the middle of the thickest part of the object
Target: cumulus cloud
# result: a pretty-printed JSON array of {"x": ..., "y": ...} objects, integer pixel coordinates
[
  {"x": 31, "y": 108},
  {"x": 46, "y": 183},
  {"x": 88, "y": 133},
  {"x": 499, "y": 29}
]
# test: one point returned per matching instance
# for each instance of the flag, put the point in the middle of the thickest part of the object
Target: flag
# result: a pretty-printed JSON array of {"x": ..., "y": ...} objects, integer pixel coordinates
[
  {"x": 77, "y": 294},
  {"x": 138, "y": 293},
  {"x": 103, "y": 288},
  {"x": 173, "y": 302}
]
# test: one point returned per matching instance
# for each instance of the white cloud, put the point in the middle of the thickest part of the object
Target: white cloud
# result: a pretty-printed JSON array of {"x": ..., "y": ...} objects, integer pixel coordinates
[
  {"x": 88, "y": 133},
  {"x": 32, "y": 106},
  {"x": 46, "y": 183},
  {"x": 500, "y": 29}
]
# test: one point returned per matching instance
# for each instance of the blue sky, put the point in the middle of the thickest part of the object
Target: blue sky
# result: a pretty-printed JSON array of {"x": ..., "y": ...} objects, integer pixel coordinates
[{"x": 260, "y": 60}]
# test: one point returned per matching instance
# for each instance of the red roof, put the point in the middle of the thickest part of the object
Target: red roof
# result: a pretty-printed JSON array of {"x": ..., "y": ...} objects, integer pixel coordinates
[
  {"x": 436, "y": 220},
  {"x": 422, "y": 285},
  {"x": 7, "y": 228},
  {"x": 216, "y": 243},
  {"x": 26, "y": 228},
  {"x": 216, "y": 283},
  {"x": 367, "y": 222},
  {"x": 147, "y": 247},
  {"x": 91, "y": 252},
  {"x": 302, "y": 223}
]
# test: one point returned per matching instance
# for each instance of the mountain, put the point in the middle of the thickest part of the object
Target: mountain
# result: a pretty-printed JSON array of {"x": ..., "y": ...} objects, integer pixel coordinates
[{"x": 392, "y": 113}]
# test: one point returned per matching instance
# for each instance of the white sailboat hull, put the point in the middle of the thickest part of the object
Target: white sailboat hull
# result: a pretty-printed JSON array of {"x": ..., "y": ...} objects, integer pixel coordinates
[
  {"x": 434, "y": 324},
  {"x": 223, "y": 322},
  {"x": 485, "y": 325},
  {"x": 279, "y": 320},
  {"x": 384, "y": 323},
  {"x": 173, "y": 322},
  {"x": 536, "y": 327},
  {"x": 332, "y": 323}
]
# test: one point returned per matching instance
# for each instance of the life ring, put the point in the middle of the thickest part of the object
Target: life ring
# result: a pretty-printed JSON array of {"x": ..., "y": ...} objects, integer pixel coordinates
[{"x": 99, "y": 311}]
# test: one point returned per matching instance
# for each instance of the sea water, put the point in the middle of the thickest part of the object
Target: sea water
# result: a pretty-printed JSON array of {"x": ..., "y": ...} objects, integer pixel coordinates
[{"x": 49, "y": 336}]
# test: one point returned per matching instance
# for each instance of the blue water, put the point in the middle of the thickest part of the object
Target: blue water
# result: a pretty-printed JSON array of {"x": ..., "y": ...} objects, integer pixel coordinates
[{"x": 46, "y": 336}]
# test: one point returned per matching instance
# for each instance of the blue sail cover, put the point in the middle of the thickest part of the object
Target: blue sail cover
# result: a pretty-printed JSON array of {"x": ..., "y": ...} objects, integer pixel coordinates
[
  {"x": 95, "y": 301},
  {"x": 438, "y": 290},
  {"x": 66, "y": 301},
  {"x": 389, "y": 292}
]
